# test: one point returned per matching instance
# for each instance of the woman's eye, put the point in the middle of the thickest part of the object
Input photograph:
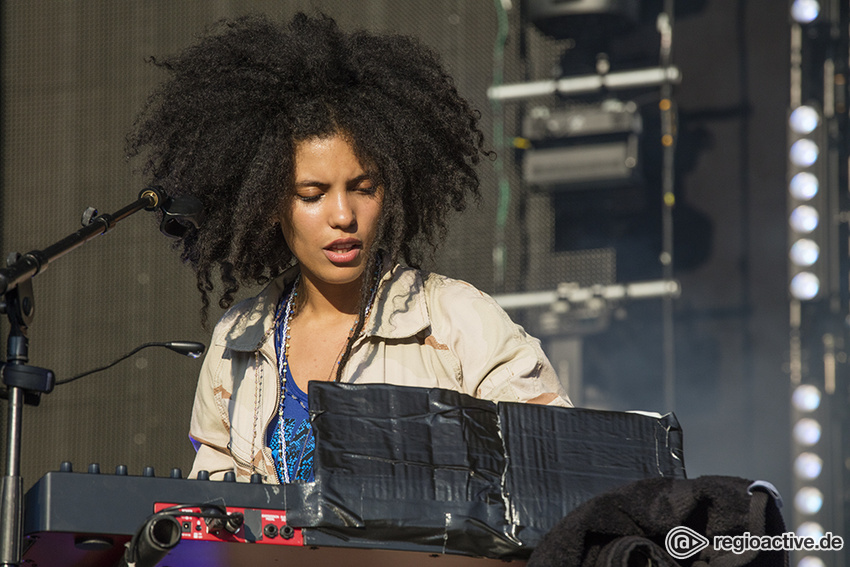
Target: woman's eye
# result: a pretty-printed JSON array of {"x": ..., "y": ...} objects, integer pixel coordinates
[{"x": 309, "y": 198}]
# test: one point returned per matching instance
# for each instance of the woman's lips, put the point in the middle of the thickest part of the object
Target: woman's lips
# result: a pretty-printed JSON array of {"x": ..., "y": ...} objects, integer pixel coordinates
[{"x": 343, "y": 251}]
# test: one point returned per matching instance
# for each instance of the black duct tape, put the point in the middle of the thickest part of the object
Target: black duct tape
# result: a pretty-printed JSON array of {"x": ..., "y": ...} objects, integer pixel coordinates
[{"x": 456, "y": 474}]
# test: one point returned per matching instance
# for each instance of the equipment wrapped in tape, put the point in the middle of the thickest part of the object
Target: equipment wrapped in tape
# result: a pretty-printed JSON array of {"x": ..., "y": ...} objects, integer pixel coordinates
[{"x": 456, "y": 474}]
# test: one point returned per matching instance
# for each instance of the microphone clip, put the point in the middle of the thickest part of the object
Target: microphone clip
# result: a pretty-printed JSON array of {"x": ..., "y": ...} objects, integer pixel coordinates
[{"x": 180, "y": 214}]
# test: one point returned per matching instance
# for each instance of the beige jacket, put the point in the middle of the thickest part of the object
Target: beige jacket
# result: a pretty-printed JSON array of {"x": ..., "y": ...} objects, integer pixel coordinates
[{"x": 424, "y": 330}]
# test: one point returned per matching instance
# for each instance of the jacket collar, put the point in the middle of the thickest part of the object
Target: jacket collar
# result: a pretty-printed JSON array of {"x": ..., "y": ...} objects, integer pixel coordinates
[
  {"x": 399, "y": 312},
  {"x": 249, "y": 323}
]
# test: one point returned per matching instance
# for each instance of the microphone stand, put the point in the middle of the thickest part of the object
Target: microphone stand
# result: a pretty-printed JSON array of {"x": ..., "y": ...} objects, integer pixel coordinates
[{"x": 24, "y": 383}]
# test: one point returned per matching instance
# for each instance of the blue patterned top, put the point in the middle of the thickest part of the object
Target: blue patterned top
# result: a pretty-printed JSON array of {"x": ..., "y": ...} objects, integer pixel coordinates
[{"x": 300, "y": 444}]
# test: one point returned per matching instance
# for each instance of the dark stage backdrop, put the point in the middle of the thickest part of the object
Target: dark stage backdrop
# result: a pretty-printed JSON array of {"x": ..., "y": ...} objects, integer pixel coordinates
[{"x": 74, "y": 76}]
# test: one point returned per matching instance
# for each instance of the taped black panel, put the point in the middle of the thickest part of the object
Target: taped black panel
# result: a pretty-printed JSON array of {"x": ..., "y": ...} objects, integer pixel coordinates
[
  {"x": 561, "y": 457},
  {"x": 439, "y": 468}
]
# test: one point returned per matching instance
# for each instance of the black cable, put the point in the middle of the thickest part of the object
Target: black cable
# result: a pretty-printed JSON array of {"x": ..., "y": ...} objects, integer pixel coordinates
[{"x": 191, "y": 349}]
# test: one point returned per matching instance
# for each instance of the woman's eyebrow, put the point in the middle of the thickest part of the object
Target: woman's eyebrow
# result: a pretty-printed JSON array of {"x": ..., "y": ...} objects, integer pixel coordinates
[
  {"x": 309, "y": 183},
  {"x": 322, "y": 184},
  {"x": 359, "y": 178}
]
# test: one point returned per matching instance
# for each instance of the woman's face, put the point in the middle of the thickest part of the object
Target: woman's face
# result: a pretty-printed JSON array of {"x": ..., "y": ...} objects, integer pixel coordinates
[{"x": 331, "y": 223}]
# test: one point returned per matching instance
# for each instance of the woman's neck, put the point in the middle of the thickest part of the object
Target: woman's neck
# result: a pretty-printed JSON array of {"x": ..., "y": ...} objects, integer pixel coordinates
[{"x": 328, "y": 301}]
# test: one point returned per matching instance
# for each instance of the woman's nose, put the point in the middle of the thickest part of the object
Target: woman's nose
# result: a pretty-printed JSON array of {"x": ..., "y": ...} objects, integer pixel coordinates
[{"x": 342, "y": 213}]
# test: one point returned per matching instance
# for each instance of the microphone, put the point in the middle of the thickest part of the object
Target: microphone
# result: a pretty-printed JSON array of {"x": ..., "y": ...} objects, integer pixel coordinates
[
  {"x": 179, "y": 214},
  {"x": 186, "y": 348}
]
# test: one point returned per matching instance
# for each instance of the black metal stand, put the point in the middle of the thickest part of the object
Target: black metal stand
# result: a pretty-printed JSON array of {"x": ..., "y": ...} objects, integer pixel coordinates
[{"x": 24, "y": 383}]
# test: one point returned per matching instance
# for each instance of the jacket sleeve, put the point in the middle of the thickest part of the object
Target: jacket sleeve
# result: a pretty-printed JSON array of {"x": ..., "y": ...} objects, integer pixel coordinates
[
  {"x": 499, "y": 360},
  {"x": 209, "y": 428}
]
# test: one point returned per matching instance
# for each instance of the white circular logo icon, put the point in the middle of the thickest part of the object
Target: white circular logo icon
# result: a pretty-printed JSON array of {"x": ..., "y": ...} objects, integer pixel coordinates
[{"x": 683, "y": 542}]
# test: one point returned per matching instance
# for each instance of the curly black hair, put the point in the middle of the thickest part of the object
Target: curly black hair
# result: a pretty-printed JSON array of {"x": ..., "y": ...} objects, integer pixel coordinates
[{"x": 224, "y": 127}]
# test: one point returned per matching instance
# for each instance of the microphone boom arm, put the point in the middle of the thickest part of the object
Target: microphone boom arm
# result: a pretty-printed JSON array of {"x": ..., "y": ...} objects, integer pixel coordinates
[
  {"x": 24, "y": 384},
  {"x": 36, "y": 261}
]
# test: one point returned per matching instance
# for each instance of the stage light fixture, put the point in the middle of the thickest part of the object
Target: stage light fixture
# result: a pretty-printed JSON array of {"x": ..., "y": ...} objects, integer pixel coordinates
[
  {"x": 805, "y": 286},
  {"x": 804, "y": 153},
  {"x": 583, "y": 146},
  {"x": 808, "y": 466},
  {"x": 563, "y": 20},
  {"x": 816, "y": 181},
  {"x": 804, "y": 252},
  {"x": 806, "y": 398},
  {"x": 807, "y": 432},
  {"x": 808, "y": 245},
  {"x": 804, "y": 218},
  {"x": 804, "y": 120},
  {"x": 803, "y": 186},
  {"x": 805, "y": 11},
  {"x": 808, "y": 500},
  {"x": 810, "y": 529}
]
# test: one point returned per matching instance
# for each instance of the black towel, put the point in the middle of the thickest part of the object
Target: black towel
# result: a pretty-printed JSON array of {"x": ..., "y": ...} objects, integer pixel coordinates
[{"x": 628, "y": 526}]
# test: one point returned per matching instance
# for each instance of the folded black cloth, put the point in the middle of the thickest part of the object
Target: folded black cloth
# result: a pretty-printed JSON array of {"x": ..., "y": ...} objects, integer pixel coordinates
[{"x": 627, "y": 526}]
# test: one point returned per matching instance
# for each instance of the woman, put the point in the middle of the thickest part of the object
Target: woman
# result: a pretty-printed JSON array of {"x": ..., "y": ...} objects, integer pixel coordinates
[{"x": 324, "y": 159}]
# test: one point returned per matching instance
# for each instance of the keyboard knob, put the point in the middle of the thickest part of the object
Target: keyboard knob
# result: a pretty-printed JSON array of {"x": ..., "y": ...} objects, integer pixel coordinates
[
  {"x": 94, "y": 468},
  {"x": 176, "y": 473},
  {"x": 66, "y": 467},
  {"x": 203, "y": 475},
  {"x": 256, "y": 478},
  {"x": 229, "y": 476},
  {"x": 148, "y": 471},
  {"x": 121, "y": 470}
]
